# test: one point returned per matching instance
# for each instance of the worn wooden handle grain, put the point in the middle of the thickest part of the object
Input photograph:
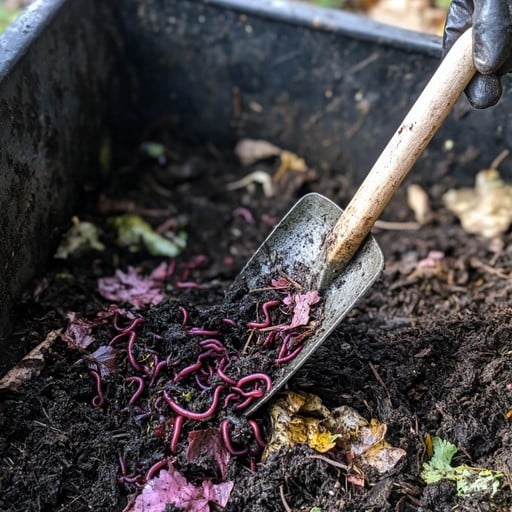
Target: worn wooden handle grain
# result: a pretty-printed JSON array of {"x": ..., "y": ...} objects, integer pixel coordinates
[{"x": 400, "y": 154}]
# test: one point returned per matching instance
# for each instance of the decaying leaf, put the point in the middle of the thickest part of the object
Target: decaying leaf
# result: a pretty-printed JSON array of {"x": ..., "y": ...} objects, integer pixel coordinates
[
  {"x": 30, "y": 366},
  {"x": 261, "y": 177},
  {"x": 133, "y": 231},
  {"x": 80, "y": 237},
  {"x": 208, "y": 443},
  {"x": 103, "y": 360},
  {"x": 300, "y": 418},
  {"x": 419, "y": 203},
  {"x": 486, "y": 209},
  {"x": 78, "y": 332},
  {"x": 469, "y": 480},
  {"x": 250, "y": 151},
  {"x": 171, "y": 487},
  {"x": 289, "y": 162},
  {"x": 301, "y": 304},
  {"x": 134, "y": 289}
]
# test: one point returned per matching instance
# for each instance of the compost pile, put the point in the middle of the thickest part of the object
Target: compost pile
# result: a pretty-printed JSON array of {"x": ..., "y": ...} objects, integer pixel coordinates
[{"x": 147, "y": 374}]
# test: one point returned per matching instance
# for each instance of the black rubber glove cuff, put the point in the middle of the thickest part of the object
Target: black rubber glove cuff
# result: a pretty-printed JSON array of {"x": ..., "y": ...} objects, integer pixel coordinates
[{"x": 492, "y": 44}]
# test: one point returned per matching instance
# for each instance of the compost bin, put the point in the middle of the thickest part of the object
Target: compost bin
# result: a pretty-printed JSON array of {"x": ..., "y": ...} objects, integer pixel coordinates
[{"x": 123, "y": 110}]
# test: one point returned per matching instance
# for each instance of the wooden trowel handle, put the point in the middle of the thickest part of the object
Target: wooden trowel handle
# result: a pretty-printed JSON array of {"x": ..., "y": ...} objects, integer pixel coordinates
[{"x": 400, "y": 154}]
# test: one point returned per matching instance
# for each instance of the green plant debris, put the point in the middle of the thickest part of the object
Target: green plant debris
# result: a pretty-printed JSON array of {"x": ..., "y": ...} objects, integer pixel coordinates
[
  {"x": 7, "y": 16},
  {"x": 105, "y": 155},
  {"x": 154, "y": 150},
  {"x": 80, "y": 237},
  {"x": 134, "y": 232},
  {"x": 469, "y": 480}
]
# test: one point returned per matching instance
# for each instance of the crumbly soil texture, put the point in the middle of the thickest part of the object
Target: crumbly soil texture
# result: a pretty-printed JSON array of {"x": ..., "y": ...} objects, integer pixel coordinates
[{"x": 426, "y": 352}]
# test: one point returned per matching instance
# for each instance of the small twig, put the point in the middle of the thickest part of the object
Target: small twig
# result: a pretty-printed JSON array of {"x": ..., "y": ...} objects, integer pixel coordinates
[
  {"x": 283, "y": 499},
  {"x": 497, "y": 161},
  {"x": 475, "y": 263},
  {"x": 379, "y": 380},
  {"x": 258, "y": 176},
  {"x": 331, "y": 462},
  {"x": 248, "y": 342},
  {"x": 397, "y": 226}
]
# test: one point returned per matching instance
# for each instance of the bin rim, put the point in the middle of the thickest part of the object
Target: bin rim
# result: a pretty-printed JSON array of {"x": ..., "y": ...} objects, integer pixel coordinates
[
  {"x": 19, "y": 36},
  {"x": 335, "y": 20}
]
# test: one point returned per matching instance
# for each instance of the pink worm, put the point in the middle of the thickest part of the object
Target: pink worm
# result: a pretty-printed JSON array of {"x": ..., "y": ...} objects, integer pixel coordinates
[
  {"x": 152, "y": 471},
  {"x": 198, "y": 416},
  {"x": 226, "y": 438},
  {"x": 257, "y": 433},
  {"x": 290, "y": 356},
  {"x": 255, "y": 376},
  {"x": 176, "y": 431},
  {"x": 99, "y": 400},
  {"x": 265, "y": 308},
  {"x": 140, "y": 388},
  {"x": 199, "y": 331}
]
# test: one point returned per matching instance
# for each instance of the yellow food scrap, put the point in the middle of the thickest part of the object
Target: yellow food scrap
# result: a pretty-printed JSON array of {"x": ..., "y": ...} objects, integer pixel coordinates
[
  {"x": 300, "y": 418},
  {"x": 486, "y": 209}
]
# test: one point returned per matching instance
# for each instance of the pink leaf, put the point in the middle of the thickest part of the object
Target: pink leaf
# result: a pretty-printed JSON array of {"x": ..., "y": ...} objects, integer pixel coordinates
[
  {"x": 132, "y": 288},
  {"x": 78, "y": 331},
  {"x": 208, "y": 443},
  {"x": 301, "y": 303},
  {"x": 103, "y": 359},
  {"x": 171, "y": 487}
]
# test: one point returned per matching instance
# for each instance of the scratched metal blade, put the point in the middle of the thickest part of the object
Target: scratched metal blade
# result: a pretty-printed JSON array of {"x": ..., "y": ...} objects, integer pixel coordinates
[{"x": 296, "y": 247}]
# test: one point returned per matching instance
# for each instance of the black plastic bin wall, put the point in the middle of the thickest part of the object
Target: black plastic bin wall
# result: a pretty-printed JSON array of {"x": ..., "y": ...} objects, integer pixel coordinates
[{"x": 326, "y": 84}]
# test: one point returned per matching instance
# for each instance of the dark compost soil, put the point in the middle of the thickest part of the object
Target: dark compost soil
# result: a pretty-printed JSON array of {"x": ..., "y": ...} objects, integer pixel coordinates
[{"x": 425, "y": 354}]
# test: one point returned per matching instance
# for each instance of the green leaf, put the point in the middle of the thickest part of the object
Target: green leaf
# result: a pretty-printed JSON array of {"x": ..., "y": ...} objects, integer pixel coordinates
[
  {"x": 153, "y": 149},
  {"x": 7, "y": 16},
  {"x": 439, "y": 466},
  {"x": 469, "y": 480},
  {"x": 133, "y": 231},
  {"x": 80, "y": 237}
]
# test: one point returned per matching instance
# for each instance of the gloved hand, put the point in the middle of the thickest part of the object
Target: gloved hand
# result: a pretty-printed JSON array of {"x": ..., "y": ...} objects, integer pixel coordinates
[{"x": 492, "y": 44}]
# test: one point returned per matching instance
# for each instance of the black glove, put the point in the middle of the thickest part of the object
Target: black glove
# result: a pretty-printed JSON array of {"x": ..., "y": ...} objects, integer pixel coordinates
[{"x": 492, "y": 44}]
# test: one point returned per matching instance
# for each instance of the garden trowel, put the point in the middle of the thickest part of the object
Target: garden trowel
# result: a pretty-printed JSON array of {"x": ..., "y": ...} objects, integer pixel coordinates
[{"x": 329, "y": 250}]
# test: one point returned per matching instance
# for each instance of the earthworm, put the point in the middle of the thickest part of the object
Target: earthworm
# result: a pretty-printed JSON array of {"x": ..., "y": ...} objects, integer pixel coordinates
[
  {"x": 118, "y": 337},
  {"x": 184, "y": 313},
  {"x": 140, "y": 388},
  {"x": 284, "y": 346},
  {"x": 229, "y": 398},
  {"x": 198, "y": 416},
  {"x": 204, "y": 387},
  {"x": 257, "y": 433},
  {"x": 187, "y": 284},
  {"x": 99, "y": 400},
  {"x": 270, "y": 338},
  {"x": 226, "y": 378},
  {"x": 122, "y": 465},
  {"x": 290, "y": 356},
  {"x": 176, "y": 431},
  {"x": 254, "y": 393},
  {"x": 131, "y": 357},
  {"x": 255, "y": 376},
  {"x": 265, "y": 308},
  {"x": 156, "y": 371},
  {"x": 230, "y": 322},
  {"x": 226, "y": 438},
  {"x": 243, "y": 405},
  {"x": 193, "y": 367},
  {"x": 245, "y": 214},
  {"x": 213, "y": 344},
  {"x": 199, "y": 331},
  {"x": 129, "y": 327},
  {"x": 157, "y": 466}
]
